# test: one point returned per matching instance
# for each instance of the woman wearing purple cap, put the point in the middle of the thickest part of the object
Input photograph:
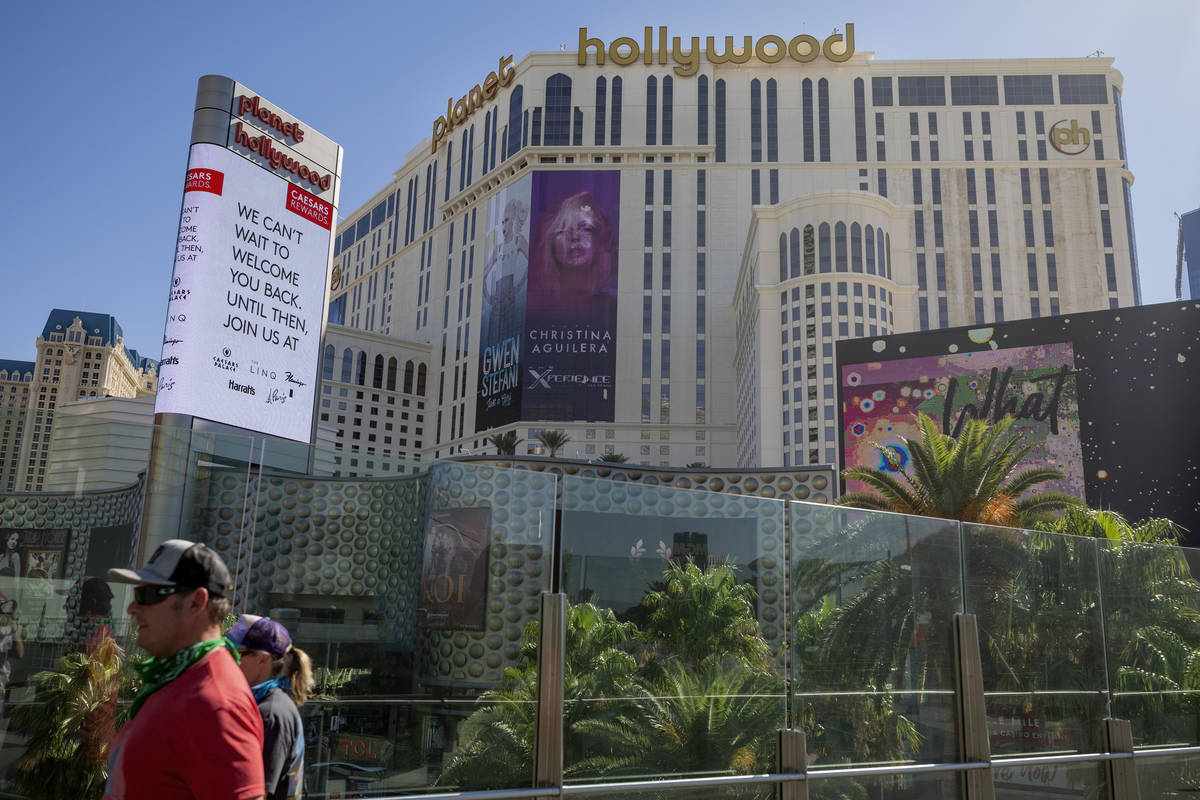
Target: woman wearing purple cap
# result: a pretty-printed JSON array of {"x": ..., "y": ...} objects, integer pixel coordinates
[{"x": 280, "y": 677}]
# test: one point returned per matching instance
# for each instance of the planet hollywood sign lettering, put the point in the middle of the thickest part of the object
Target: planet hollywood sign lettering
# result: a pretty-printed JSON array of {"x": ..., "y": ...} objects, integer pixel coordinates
[
  {"x": 770, "y": 49},
  {"x": 626, "y": 50},
  {"x": 263, "y": 145}
]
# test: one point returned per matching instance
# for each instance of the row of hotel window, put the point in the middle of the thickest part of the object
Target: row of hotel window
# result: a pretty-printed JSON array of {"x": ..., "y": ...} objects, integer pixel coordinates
[
  {"x": 912, "y": 90},
  {"x": 383, "y": 376},
  {"x": 874, "y": 258}
]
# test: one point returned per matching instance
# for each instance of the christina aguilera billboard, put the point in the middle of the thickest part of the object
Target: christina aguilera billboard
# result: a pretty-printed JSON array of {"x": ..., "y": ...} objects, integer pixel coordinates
[
  {"x": 250, "y": 284},
  {"x": 548, "y": 339}
]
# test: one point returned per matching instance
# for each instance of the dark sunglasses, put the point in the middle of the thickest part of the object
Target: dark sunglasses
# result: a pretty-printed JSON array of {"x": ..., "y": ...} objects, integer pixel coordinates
[{"x": 152, "y": 595}]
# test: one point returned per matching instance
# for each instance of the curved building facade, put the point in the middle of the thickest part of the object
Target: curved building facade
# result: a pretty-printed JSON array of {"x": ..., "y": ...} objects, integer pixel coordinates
[{"x": 652, "y": 243}]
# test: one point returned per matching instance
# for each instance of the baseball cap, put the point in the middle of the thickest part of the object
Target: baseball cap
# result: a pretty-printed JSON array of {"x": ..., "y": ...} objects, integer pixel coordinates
[
  {"x": 178, "y": 562},
  {"x": 260, "y": 633}
]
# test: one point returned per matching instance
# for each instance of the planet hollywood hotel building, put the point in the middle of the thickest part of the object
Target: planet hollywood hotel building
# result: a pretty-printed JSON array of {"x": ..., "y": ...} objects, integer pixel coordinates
[{"x": 739, "y": 204}]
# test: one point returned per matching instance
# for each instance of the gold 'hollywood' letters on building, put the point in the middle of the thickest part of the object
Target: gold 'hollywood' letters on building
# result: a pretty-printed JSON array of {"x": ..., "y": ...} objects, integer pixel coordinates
[
  {"x": 458, "y": 112},
  {"x": 769, "y": 49}
]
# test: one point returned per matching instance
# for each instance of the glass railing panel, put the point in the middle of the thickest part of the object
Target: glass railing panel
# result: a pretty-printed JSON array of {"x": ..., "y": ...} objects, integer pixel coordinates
[
  {"x": 902, "y": 786},
  {"x": 1036, "y": 599},
  {"x": 414, "y": 596},
  {"x": 66, "y": 643},
  {"x": 872, "y": 604},
  {"x": 1083, "y": 780},
  {"x": 675, "y": 636},
  {"x": 1151, "y": 604},
  {"x": 1174, "y": 775}
]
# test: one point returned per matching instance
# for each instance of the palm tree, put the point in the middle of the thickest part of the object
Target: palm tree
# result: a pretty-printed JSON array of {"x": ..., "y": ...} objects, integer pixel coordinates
[
  {"x": 696, "y": 465},
  {"x": 68, "y": 725},
  {"x": 696, "y": 614},
  {"x": 553, "y": 441},
  {"x": 614, "y": 458},
  {"x": 974, "y": 478},
  {"x": 497, "y": 741},
  {"x": 505, "y": 443}
]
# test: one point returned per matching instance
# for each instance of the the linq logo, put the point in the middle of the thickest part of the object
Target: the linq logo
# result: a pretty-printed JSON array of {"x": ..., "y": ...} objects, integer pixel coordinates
[
  {"x": 1069, "y": 140},
  {"x": 225, "y": 360}
]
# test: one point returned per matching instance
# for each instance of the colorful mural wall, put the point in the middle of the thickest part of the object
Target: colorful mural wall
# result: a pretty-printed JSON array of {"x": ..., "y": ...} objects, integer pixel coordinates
[{"x": 1106, "y": 397}]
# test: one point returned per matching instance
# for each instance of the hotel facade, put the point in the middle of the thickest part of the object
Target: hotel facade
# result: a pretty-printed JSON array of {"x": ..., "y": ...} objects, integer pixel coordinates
[{"x": 742, "y": 204}]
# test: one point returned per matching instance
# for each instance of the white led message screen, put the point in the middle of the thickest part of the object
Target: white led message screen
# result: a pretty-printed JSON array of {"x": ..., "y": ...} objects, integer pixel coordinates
[{"x": 247, "y": 300}]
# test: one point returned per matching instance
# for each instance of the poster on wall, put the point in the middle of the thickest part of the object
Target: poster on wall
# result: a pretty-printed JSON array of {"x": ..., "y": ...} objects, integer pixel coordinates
[
  {"x": 505, "y": 280},
  {"x": 249, "y": 287},
  {"x": 455, "y": 570},
  {"x": 1035, "y": 384},
  {"x": 33, "y": 553},
  {"x": 570, "y": 355},
  {"x": 1107, "y": 397}
]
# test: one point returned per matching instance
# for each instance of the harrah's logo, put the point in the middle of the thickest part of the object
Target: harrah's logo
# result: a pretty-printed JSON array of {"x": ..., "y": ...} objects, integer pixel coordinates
[
  {"x": 768, "y": 49},
  {"x": 262, "y": 145}
]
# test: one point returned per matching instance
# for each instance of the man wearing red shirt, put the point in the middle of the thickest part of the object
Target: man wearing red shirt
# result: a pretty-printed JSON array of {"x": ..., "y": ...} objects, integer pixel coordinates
[{"x": 194, "y": 731}]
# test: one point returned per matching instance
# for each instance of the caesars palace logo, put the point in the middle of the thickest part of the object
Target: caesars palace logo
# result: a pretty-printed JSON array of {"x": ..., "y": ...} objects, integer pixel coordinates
[{"x": 626, "y": 50}]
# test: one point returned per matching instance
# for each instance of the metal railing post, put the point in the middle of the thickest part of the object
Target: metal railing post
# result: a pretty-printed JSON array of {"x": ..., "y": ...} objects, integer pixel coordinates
[
  {"x": 548, "y": 742},
  {"x": 793, "y": 758},
  {"x": 971, "y": 718},
  {"x": 1122, "y": 772}
]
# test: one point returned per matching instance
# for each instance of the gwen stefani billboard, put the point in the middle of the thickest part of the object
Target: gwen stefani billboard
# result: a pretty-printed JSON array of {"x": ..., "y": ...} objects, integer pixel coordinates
[
  {"x": 249, "y": 289},
  {"x": 1106, "y": 397},
  {"x": 548, "y": 339}
]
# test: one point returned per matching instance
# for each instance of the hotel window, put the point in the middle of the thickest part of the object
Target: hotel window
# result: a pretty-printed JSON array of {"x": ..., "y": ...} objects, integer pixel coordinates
[
  {"x": 1028, "y": 90},
  {"x": 823, "y": 116},
  {"x": 720, "y": 120},
  {"x": 809, "y": 251},
  {"x": 974, "y": 90},
  {"x": 702, "y": 110},
  {"x": 881, "y": 91},
  {"x": 806, "y": 92},
  {"x": 824, "y": 248},
  {"x": 514, "y": 121},
  {"x": 651, "y": 110},
  {"x": 923, "y": 90},
  {"x": 668, "y": 110},
  {"x": 755, "y": 123},
  {"x": 601, "y": 100},
  {"x": 1082, "y": 90},
  {"x": 860, "y": 120},
  {"x": 558, "y": 110},
  {"x": 615, "y": 126},
  {"x": 772, "y": 124}
]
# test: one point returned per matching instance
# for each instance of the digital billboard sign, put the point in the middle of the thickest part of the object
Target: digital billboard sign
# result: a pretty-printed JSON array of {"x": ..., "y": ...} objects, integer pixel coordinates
[
  {"x": 248, "y": 292},
  {"x": 1105, "y": 397}
]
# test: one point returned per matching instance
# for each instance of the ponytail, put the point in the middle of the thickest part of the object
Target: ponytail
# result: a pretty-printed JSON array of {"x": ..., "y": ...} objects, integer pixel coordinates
[{"x": 297, "y": 666}]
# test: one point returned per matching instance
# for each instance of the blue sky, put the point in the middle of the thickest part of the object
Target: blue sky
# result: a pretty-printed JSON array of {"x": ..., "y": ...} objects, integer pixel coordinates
[{"x": 99, "y": 102}]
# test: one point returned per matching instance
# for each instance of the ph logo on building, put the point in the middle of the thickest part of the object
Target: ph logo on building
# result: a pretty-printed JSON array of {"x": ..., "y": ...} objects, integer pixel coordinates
[{"x": 1069, "y": 140}]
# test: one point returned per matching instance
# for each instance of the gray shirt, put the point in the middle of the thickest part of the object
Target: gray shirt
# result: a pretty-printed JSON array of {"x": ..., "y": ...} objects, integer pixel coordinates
[{"x": 283, "y": 746}]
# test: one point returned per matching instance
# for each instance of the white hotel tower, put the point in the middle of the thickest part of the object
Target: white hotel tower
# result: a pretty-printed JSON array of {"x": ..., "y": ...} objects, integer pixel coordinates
[{"x": 772, "y": 201}]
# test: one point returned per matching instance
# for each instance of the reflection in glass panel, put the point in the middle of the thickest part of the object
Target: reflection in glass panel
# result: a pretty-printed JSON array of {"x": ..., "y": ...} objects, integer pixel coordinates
[
  {"x": 1036, "y": 600},
  {"x": 675, "y": 639},
  {"x": 411, "y": 594},
  {"x": 1168, "y": 776},
  {"x": 1151, "y": 612},
  {"x": 872, "y": 606},
  {"x": 1025, "y": 781}
]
